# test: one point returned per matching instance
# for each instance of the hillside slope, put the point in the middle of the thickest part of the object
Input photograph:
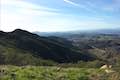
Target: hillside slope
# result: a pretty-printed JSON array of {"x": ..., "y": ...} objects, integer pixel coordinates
[
  {"x": 105, "y": 44},
  {"x": 20, "y": 45}
]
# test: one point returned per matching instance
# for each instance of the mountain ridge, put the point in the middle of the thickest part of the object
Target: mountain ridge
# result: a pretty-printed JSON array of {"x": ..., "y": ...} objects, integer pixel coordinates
[{"x": 47, "y": 48}]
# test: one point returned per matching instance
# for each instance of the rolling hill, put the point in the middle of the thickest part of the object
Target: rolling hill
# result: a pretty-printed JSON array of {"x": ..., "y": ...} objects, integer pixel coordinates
[
  {"x": 105, "y": 44},
  {"x": 21, "y": 47}
]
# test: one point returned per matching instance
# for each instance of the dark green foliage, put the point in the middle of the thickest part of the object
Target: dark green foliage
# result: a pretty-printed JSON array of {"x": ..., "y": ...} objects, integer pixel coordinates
[
  {"x": 21, "y": 48},
  {"x": 14, "y": 56}
]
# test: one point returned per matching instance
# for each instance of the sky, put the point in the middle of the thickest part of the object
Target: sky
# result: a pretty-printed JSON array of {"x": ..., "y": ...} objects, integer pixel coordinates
[{"x": 59, "y": 15}]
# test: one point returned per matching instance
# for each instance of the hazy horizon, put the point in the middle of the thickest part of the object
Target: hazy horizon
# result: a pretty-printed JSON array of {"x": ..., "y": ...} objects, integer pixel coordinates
[{"x": 59, "y": 15}]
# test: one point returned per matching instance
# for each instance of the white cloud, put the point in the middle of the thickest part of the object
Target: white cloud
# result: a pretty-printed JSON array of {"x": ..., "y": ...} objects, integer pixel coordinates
[
  {"x": 96, "y": 5},
  {"x": 20, "y": 14},
  {"x": 85, "y": 6},
  {"x": 28, "y": 8},
  {"x": 62, "y": 23},
  {"x": 70, "y": 2},
  {"x": 25, "y": 4},
  {"x": 34, "y": 17},
  {"x": 80, "y": 4},
  {"x": 37, "y": 12}
]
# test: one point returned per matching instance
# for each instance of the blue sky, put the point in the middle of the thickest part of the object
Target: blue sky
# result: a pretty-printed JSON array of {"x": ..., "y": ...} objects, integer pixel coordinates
[{"x": 59, "y": 15}]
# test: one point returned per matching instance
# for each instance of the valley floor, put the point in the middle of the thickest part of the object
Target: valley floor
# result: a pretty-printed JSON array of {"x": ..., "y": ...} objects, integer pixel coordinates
[{"x": 8, "y": 72}]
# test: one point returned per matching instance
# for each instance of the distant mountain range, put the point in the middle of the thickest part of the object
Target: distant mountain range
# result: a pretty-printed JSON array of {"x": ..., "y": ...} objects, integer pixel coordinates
[
  {"x": 105, "y": 44},
  {"x": 102, "y": 31}
]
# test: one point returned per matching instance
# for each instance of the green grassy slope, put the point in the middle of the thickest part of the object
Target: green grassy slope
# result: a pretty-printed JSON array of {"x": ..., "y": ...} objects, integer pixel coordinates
[{"x": 54, "y": 73}]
